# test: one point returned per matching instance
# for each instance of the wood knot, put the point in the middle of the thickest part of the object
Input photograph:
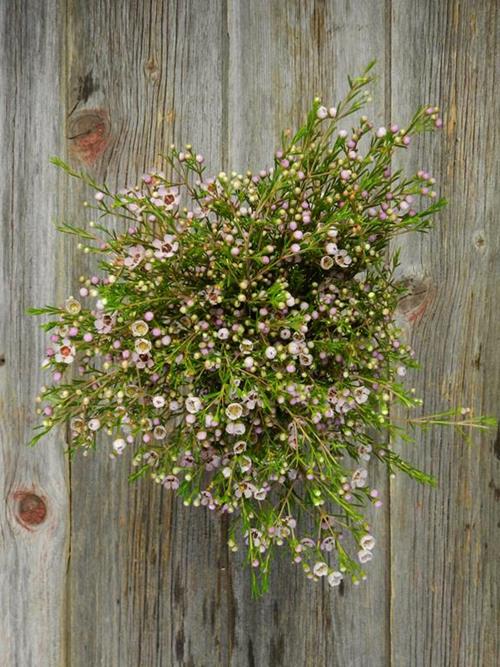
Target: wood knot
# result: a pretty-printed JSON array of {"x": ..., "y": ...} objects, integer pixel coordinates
[
  {"x": 89, "y": 133},
  {"x": 479, "y": 240},
  {"x": 152, "y": 69},
  {"x": 30, "y": 510},
  {"x": 419, "y": 295},
  {"x": 2, "y": 359}
]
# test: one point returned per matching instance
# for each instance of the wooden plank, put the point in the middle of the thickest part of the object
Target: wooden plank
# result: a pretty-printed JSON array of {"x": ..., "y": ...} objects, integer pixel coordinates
[
  {"x": 33, "y": 482},
  {"x": 282, "y": 54},
  {"x": 445, "y": 604},
  {"x": 148, "y": 577}
]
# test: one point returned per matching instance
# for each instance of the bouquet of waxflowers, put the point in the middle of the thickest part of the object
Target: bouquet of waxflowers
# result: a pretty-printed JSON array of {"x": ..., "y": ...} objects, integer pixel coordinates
[{"x": 240, "y": 336}]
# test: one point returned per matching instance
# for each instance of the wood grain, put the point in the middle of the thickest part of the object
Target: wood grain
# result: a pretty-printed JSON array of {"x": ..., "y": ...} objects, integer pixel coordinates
[
  {"x": 282, "y": 55},
  {"x": 445, "y": 541},
  {"x": 149, "y": 583},
  {"x": 98, "y": 572},
  {"x": 33, "y": 482}
]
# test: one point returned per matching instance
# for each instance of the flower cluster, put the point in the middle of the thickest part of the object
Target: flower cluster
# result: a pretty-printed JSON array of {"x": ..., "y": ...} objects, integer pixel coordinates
[{"x": 240, "y": 337}]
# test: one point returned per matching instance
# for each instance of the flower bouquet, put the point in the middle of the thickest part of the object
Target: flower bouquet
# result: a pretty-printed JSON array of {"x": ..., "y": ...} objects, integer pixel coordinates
[{"x": 240, "y": 336}]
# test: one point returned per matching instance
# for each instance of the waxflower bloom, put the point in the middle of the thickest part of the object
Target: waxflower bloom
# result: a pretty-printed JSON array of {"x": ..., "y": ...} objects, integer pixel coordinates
[
  {"x": 326, "y": 262},
  {"x": 94, "y": 424},
  {"x": 193, "y": 404},
  {"x": 142, "y": 346},
  {"x": 335, "y": 578},
  {"x": 72, "y": 306},
  {"x": 65, "y": 353},
  {"x": 234, "y": 411},
  {"x": 244, "y": 346},
  {"x": 159, "y": 401},
  {"x": 139, "y": 328},
  {"x": 135, "y": 255},
  {"x": 166, "y": 247},
  {"x": 119, "y": 445}
]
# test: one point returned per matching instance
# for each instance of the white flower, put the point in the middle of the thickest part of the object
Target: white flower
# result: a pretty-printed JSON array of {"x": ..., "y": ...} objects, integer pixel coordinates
[
  {"x": 320, "y": 569},
  {"x": 294, "y": 348},
  {"x": 235, "y": 428},
  {"x": 248, "y": 362},
  {"x": 367, "y": 542},
  {"x": 223, "y": 334},
  {"x": 331, "y": 248},
  {"x": 270, "y": 352},
  {"x": 306, "y": 359},
  {"x": 381, "y": 132},
  {"x": 332, "y": 112},
  {"x": 167, "y": 247},
  {"x": 326, "y": 262},
  {"x": 193, "y": 404},
  {"x": 234, "y": 411},
  {"x": 142, "y": 346},
  {"x": 73, "y": 306},
  {"x": 245, "y": 464},
  {"x": 159, "y": 432},
  {"x": 361, "y": 394},
  {"x": 158, "y": 401},
  {"x": 364, "y": 452},
  {"x": 119, "y": 445},
  {"x": 94, "y": 424},
  {"x": 65, "y": 353},
  {"x": 364, "y": 556},
  {"x": 359, "y": 477},
  {"x": 139, "y": 328},
  {"x": 334, "y": 578},
  {"x": 246, "y": 345},
  {"x": 342, "y": 258},
  {"x": 322, "y": 113},
  {"x": 239, "y": 447}
]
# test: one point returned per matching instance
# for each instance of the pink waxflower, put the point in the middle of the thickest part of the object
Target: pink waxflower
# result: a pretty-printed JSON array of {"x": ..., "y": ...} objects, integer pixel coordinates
[
  {"x": 166, "y": 198},
  {"x": 361, "y": 394},
  {"x": 342, "y": 258},
  {"x": 171, "y": 482},
  {"x": 142, "y": 360},
  {"x": 166, "y": 247},
  {"x": 136, "y": 254},
  {"x": 104, "y": 322},
  {"x": 65, "y": 353}
]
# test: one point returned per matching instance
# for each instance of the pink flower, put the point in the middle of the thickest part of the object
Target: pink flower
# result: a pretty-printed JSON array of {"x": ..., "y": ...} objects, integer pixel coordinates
[
  {"x": 342, "y": 258},
  {"x": 361, "y": 394},
  {"x": 364, "y": 556},
  {"x": 135, "y": 256},
  {"x": 166, "y": 198},
  {"x": 104, "y": 322},
  {"x": 166, "y": 248},
  {"x": 171, "y": 482},
  {"x": 65, "y": 353},
  {"x": 142, "y": 360}
]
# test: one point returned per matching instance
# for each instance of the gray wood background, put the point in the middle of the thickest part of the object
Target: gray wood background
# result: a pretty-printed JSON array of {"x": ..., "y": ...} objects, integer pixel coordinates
[{"x": 94, "y": 571}]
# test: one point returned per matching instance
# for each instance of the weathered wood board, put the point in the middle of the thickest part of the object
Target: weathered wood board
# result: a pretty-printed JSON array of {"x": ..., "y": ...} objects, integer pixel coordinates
[
  {"x": 34, "y": 491},
  {"x": 94, "y": 571}
]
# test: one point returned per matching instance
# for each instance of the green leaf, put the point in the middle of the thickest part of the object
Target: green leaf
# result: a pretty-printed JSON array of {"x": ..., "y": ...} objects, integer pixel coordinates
[
  {"x": 46, "y": 310},
  {"x": 77, "y": 231}
]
